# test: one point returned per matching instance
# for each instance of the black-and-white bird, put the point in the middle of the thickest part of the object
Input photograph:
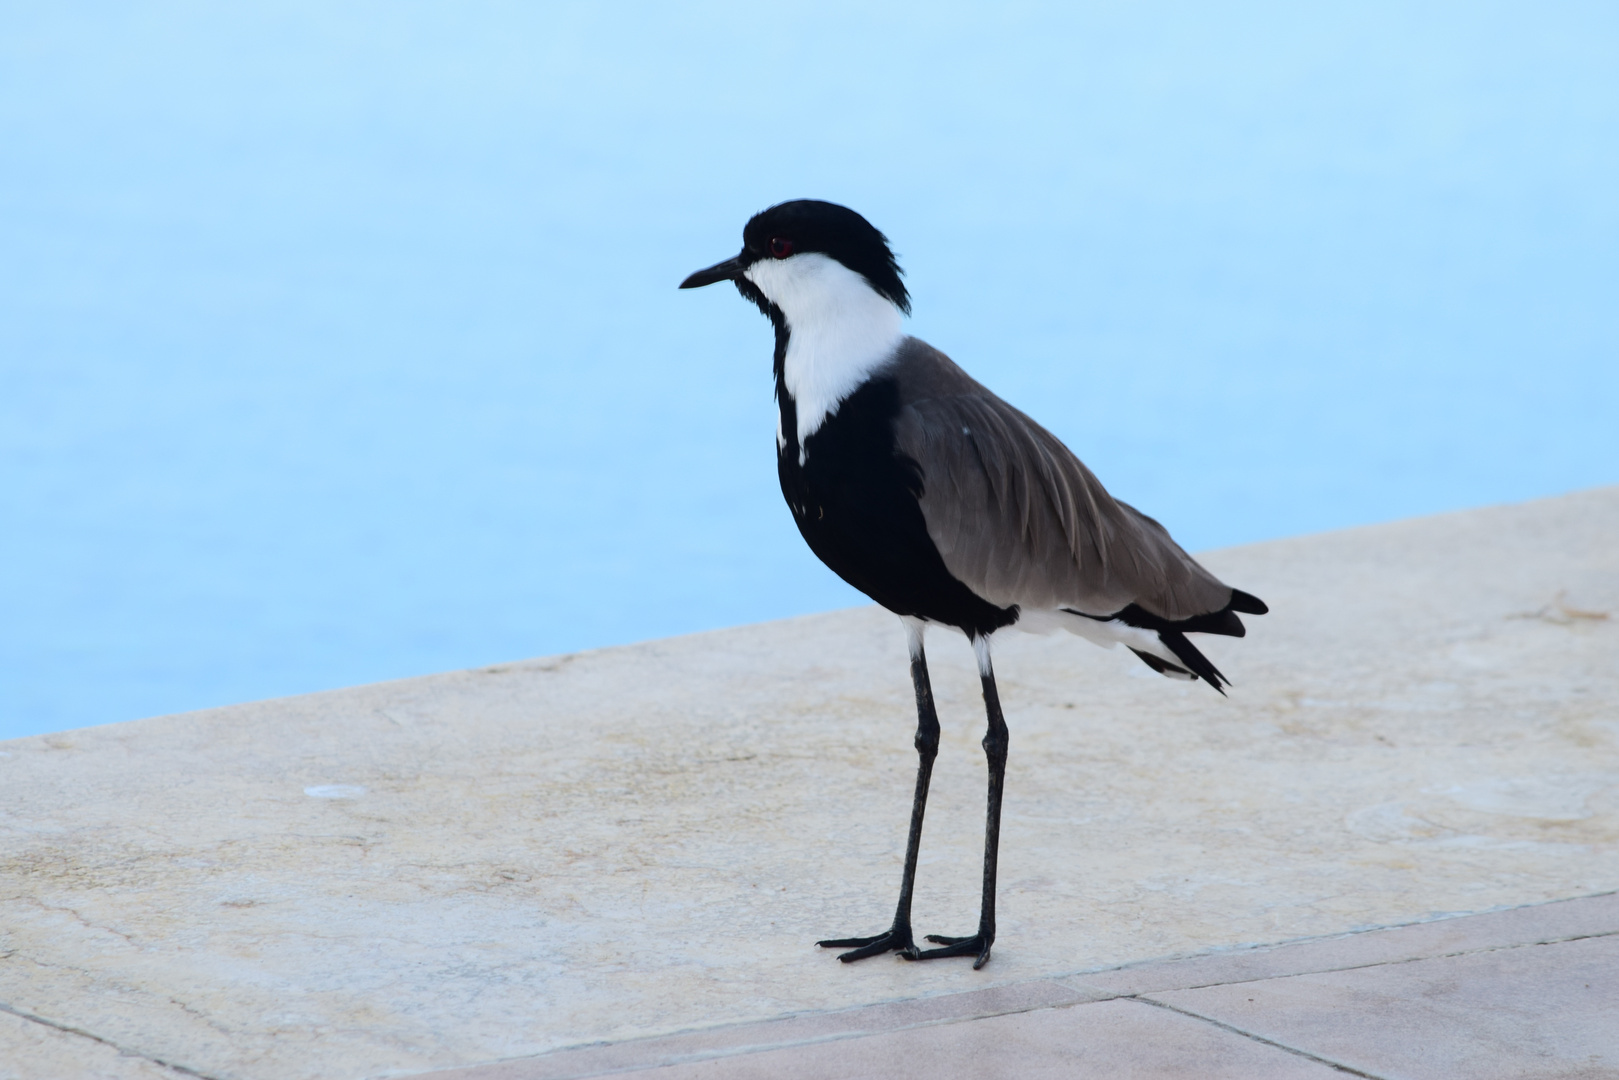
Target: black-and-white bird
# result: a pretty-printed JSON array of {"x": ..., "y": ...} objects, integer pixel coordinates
[{"x": 946, "y": 505}]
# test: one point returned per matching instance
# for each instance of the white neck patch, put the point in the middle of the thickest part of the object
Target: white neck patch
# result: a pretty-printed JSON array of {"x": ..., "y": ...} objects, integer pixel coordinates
[{"x": 840, "y": 330}]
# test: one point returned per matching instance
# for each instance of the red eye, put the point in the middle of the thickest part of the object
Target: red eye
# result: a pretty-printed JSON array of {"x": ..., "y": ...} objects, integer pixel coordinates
[{"x": 780, "y": 247}]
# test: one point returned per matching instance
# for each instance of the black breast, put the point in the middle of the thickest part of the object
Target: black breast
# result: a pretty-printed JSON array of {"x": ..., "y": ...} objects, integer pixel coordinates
[{"x": 855, "y": 501}]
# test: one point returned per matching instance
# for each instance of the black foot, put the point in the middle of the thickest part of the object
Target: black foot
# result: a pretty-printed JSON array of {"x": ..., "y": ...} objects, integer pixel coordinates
[
  {"x": 896, "y": 939},
  {"x": 977, "y": 945}
]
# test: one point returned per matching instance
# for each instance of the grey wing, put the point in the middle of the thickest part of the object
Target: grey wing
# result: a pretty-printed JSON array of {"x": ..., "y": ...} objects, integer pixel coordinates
[{"x": 1020, "y": 520}]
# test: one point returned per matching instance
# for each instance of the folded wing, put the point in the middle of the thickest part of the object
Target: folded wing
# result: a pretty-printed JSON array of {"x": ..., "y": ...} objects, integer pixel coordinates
[{"x": 1020, "y": 520}]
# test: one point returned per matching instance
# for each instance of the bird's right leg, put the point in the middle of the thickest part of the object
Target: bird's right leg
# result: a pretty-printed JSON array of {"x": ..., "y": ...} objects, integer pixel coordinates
[{"x": 897, "y": 938}]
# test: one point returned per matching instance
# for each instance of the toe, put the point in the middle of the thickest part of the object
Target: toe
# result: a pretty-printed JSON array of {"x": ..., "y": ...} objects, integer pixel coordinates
[
  {"x": 849, "y": 942},
  {"x": 873, "y": 949}
]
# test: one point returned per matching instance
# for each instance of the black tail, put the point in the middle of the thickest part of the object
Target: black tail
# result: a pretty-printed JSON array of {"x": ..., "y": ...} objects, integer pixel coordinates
[
  {"x": 1172, "y": 632},
  {"x": 1247, "y": 603},
  {"x": 1195, "y": 661},
  {"x": 1162, "y": 666}
]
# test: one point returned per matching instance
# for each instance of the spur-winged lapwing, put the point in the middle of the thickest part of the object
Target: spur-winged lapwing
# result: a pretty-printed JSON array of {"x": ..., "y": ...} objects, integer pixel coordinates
[{"x": 946, "y": 505}]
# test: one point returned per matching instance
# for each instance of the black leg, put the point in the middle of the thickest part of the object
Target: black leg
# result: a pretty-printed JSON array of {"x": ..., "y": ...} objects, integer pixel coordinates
[
  {"x": 898, "y": 937},
  {"x": 995, "y": 743}
]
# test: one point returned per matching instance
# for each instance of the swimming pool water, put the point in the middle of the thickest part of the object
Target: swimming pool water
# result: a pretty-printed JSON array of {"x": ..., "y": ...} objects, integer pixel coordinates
[{"x": 339, "y": 345}]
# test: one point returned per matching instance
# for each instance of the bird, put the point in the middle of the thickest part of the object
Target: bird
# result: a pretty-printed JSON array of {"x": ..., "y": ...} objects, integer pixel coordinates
[{"x": 947, "y": 506}]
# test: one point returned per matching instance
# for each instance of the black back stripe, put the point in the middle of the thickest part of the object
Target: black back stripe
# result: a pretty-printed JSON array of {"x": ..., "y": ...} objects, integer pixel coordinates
[{"x": 1223, "y": 622}]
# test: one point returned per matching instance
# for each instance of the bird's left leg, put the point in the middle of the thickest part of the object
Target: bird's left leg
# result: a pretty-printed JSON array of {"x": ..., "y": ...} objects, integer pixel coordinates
[
  {"x": 995, "y": 743},
  {"x": 898, "y": 936}
]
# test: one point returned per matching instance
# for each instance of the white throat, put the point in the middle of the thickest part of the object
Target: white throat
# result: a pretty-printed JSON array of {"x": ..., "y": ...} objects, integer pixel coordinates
[{"x": 840, "y": 330}]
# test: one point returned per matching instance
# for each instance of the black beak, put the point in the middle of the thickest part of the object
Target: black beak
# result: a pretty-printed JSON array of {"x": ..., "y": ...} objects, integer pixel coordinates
[{"x": 728, "y": 270}]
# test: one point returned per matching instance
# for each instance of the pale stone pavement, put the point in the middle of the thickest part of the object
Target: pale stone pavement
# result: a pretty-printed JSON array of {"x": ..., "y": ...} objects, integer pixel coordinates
[{"x": 617, "y": 860}]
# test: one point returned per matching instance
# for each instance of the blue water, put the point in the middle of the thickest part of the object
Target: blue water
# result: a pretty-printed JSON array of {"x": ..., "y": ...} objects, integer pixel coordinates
[{"x": 341, "y": 342}]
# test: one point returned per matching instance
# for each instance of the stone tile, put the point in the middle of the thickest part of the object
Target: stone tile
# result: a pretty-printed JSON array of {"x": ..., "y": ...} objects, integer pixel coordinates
[
  {"x": 1120, "y": 1040},
  {"x": 872, "y": 1019},
  {"x": 1535, "y": 924},
  {"x": 1585, "y": 916},
  {"x": 32, "y": 1051},
  {"x": 1529, "y": 1013}
]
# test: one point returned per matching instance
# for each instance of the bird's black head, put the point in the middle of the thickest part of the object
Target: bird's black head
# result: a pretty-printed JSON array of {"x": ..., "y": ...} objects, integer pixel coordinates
[{"x": 807, "y": 227}]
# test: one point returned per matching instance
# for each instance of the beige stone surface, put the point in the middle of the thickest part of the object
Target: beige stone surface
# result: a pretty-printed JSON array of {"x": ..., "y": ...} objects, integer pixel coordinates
[
  {"x": 1536, "y": 1012},
  {"x": 492, "y": 864}
]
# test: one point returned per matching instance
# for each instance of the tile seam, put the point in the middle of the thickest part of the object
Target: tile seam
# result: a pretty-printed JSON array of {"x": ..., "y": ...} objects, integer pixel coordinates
[
  {"x": 125, "y": 1051},
  {"x": 762, "y": 1048},
  {"x": 1375, "y": 963},
  {"x": 1349, "y": 935},
  {"x": 1307, "y": 1055}
]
